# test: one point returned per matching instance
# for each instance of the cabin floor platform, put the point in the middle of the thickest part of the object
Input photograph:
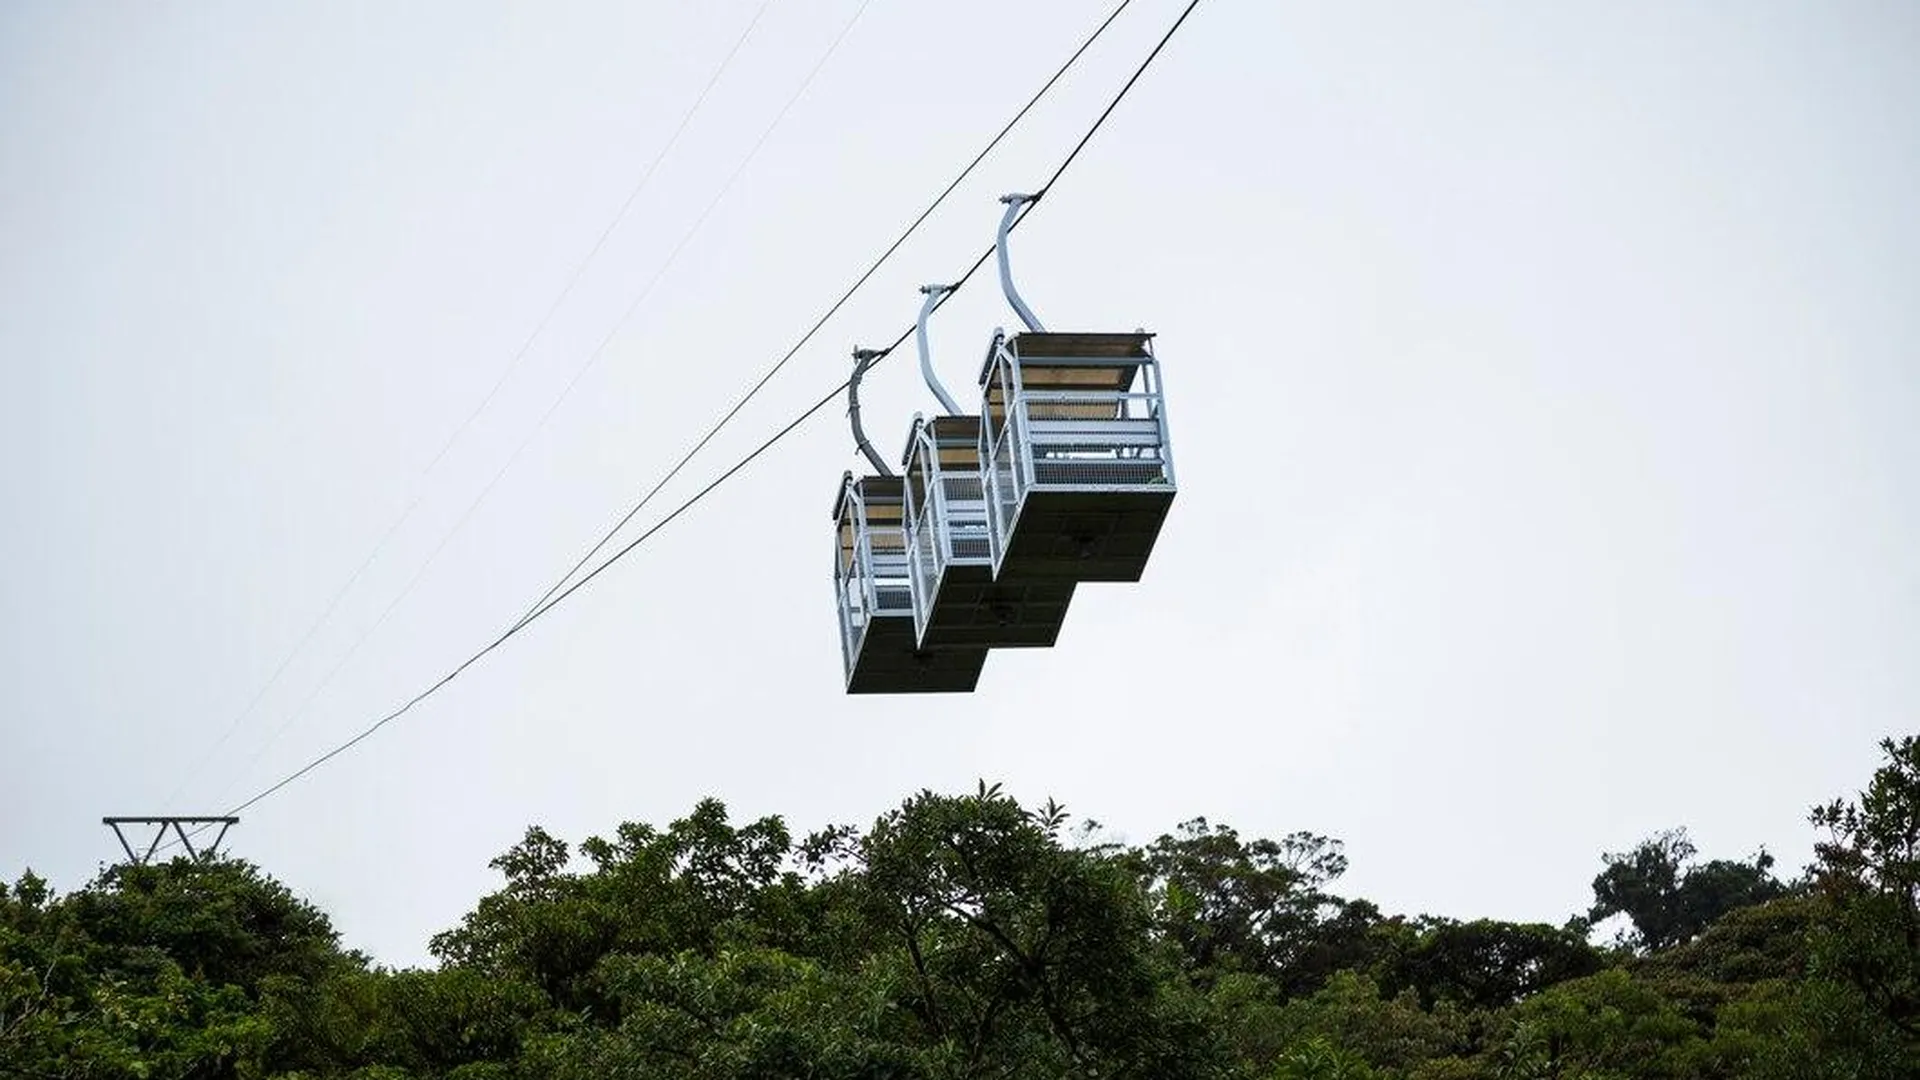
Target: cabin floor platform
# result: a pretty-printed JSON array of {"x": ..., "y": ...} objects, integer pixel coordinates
[
  {"x": 891, "y": 662},
  {"x": 1080, "y": 535},
  {"x": 972, "y": 609}
]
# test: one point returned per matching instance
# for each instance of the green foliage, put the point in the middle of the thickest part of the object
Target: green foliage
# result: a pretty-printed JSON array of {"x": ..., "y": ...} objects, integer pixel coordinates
[
  {"x": 1865, "y": 958},
  {"x": 1021, "y": 948},
  {"x": 222, "y": 921},
  {"x": 425, "y": 1022},
  {"x": 699, "y": 883},
  {"x": 963, "y": 936},
  {"x": 1610, "y": 1024},
  {"x": 1748, "y": 945},
  {"x": 753, "y": 1012},
  {"x": 1319, "y": 1059},
  {"x": 112, "y": 982},
  {"x": 1869, "y": 868},
  {"x": 1396, "y": 1032},
  {"x": 1668, "y": 898},
  {"x": 1255, "y": 906},
  {"x": 1484, "y": 964}
]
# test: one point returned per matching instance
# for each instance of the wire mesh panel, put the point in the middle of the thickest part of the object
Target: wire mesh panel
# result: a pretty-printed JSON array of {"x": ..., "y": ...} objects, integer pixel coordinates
[
  {"x": 1079, "y": 462},
  {"x": 964, "y": 497}
]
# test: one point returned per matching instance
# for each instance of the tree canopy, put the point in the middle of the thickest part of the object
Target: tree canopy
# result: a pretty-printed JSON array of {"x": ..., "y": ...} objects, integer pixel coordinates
[{"x": 969, "y": 935}]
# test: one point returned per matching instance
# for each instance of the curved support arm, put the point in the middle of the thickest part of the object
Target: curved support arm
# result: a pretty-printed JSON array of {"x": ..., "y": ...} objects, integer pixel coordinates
[
  {"x": 862, "y": 358},
  {"x": 934, "y": 293},
  {"x": 1014, "y": 203}
]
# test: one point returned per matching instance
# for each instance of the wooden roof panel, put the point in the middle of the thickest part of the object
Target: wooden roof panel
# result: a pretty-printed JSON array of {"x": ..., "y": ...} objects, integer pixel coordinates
[{"x": 1128, "y": 346}]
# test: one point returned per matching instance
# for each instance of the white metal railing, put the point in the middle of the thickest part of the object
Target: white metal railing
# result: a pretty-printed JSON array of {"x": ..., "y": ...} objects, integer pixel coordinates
[
  {"x": 947, "y": 522},
  {"x": 924, "y": 567},
  {"x": 1068, "y": 439},
  {"x": 1004, "y": 490},
  {"x": 849, "y": 601},
  {"x": 922, "y": 524},
  {"x": 1093, "y": 440},
  {"x": 1003, "y": 457},
  {"x": 890, "y": 592},
  {"x": 871, "y": 581}
]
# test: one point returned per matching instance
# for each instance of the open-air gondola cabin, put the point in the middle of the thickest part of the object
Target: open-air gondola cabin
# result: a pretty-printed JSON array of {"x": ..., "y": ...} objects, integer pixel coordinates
[
  {"x": 1073, "y": 434},
  {"x": 1064, "y": 476},
  {"x": 1079, "y": 474},
  {"x": 956, "y": 600},
  {"x": 871, "y": 590}
]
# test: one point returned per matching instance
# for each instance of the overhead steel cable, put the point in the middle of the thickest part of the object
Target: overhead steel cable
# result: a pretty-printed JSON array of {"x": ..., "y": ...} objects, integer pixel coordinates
[
  {"x": 689, "y": 503},
  {"x": 831, "y": 311},
  {"x": 552, "y": 407},
  {"x": 835, "y": 393},
  {"x": 714, "y": 430},
  {"x": 513, "y": 365}
]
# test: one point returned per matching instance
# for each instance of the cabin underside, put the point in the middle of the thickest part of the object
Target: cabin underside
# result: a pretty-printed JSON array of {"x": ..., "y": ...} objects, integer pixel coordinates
[
  {"x": 972, "y": 609},
  {"x": 1083, "y": 535},
  {"x": 890, "y": 662}
]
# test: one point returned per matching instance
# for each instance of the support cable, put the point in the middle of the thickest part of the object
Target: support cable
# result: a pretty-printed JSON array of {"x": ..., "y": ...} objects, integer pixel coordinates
[
  {"x": 831, "y": 311},
  {"x": 553, "y": 406},
  {"x": 579, "y": 271},
  {"x": 559, "y": 597}
]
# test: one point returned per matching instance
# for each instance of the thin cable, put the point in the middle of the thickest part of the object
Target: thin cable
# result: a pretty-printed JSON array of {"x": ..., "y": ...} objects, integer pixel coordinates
[
  {"x": 596, "y": 571},
  {"x": 513, "y": 365},
  {"x": 1111, "y": 105},
  {"x": 566, "y": 392},
  {"x": 888, "y": 351},
  {"x": 830, "y": 312},
  {"x": 810, "y": 412}
]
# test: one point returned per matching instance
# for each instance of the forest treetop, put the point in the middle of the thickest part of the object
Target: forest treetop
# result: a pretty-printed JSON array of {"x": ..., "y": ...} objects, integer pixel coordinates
[{"x": 967, "y": 935}]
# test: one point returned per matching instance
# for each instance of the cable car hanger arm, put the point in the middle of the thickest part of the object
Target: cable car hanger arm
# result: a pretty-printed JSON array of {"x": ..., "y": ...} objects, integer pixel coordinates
[
  {"x": 862, "y": 359},
  {"x": 935, "y": 294},
  {"x": 1014, "y": 203}
]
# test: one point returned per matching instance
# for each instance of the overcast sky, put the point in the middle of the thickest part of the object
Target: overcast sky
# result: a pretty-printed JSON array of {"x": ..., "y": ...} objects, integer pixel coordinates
[{"x": 1543, "y": 377}]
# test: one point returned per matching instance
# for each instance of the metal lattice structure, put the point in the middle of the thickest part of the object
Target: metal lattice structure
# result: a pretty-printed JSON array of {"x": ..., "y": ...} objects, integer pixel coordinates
[
  {"x": 956, "y": 601},
  {"x": 1078, "y": 460},
  {"x": 874, "y": 597},
  {"x": 178, "y": 825}
]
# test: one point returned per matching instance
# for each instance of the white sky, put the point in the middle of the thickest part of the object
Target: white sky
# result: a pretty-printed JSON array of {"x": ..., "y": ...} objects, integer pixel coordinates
[{"x": 1543, "y": 382}]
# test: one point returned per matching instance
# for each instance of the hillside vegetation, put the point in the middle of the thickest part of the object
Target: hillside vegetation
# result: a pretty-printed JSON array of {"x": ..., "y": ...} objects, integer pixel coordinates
[{"x": 966, "y": 935}]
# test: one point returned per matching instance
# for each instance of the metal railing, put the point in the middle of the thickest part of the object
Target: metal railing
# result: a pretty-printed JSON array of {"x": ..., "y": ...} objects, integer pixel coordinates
[
  {"x": 870, "y": 580},
  {"x": 1004, "y": 472},
  {"x": 946, "y": 522},
  {"x": 1093, "y": 440},
  {"x": 849, "y": 603},
  {"x": 1068, "y": 440}
]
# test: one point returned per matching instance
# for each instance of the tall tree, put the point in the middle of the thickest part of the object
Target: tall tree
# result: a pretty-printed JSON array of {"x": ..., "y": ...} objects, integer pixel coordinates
[
  {"x": 1483, "y": 964},
  {"x": 1033, "y": 955},
  {"x": 1258, "y": 906},
  {"x": 1869, "y": 869},
  {"x": 1668, "y": 897}
]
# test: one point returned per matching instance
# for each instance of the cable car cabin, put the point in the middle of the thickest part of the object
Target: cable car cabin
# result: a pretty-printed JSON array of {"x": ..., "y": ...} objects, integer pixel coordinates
[
  {"x": 875, "y": 599},
  {"x": 956, "y": 601},
  {"x": 1079, "y": 470}
]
